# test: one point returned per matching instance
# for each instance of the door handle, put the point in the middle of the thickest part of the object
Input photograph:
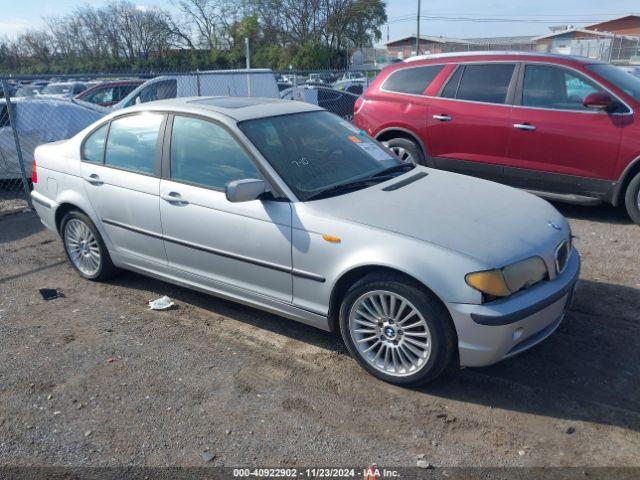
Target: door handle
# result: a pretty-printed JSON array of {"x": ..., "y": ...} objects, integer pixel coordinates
[
  {"x": 173, "y": 197},
  {"x": 93, "y": 179},
  {"x": 524, "y": 126},
  {"x": 442, "y": 118}
]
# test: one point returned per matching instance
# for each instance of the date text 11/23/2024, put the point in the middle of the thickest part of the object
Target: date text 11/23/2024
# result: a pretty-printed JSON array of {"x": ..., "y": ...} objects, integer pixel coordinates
[{"x": 367, "y": 473}]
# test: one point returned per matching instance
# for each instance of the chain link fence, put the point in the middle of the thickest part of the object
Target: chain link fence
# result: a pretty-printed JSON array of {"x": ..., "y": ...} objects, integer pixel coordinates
[
  {"x": 38, "y": 109},
  {"x": 14, "y": 182}
]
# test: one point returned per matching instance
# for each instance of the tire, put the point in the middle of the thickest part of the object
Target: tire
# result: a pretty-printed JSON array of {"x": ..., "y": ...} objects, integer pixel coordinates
[
  {"x": 85, "y": 248},
  {"x": 434, "y": 328},
  {"x": 407, "y": 150},
  {"x": 632, "y": 199}
]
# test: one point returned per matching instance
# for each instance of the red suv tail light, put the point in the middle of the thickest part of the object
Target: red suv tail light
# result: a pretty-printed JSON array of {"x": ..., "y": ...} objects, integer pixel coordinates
[{"x": 34, "y": 172}]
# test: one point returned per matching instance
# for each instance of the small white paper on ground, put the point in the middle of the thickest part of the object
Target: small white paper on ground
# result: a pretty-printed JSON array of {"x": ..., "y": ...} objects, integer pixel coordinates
[{"x": 162, "y": 303}]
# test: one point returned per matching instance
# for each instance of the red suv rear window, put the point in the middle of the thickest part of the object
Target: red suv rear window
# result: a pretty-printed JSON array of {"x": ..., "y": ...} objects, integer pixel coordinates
[{"x": 413, "y": 80}]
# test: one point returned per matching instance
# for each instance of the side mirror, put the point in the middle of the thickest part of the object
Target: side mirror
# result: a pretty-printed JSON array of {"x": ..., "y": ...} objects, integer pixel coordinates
[
  {"x": 599, "y": 101},
  {"x": 245, "y": 190}
]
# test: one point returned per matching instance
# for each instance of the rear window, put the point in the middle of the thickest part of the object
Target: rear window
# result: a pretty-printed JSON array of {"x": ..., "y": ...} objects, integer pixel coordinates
[
  {"x": 131, "y": 144},
  {"x": 487, "y": 83},
  {"x": 412, "y": 80}
]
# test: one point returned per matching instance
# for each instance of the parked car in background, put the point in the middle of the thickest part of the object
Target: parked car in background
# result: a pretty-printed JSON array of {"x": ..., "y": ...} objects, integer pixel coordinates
[
  {"x": 355, "y": 86},
  {"x": 304, "y": 210},
  {"x": 38, "y": 120},
  {"x": 254, "y": 82},
  {"x": 632, "y": 70},
  {"x": 27, "y": 91},
  {"x": 566, "y": 128},
  {"x": 335, "y": 101},
  {"x": 325, "y": 78},
  {"x": 107, "y": 94},
  {"x": 63, "y": 89}
]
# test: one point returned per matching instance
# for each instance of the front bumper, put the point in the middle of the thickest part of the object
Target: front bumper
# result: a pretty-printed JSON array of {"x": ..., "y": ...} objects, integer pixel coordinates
[{"x": 492, "y": 332}]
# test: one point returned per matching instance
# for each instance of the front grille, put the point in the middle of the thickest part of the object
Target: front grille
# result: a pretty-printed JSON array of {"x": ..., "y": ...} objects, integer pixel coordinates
[{"x": 562, "y": 256}]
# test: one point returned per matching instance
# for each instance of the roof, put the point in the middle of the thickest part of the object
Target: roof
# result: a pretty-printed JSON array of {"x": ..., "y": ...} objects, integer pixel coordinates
[
  {"x": 522, "y": 39},
  {"x": 624, "y": 17},
  {"x": 431, "y": 39},
  {"x": 558, "y": 33},
  {"x": 236, "y": 108},
  {"x": 501, "y": 54}
]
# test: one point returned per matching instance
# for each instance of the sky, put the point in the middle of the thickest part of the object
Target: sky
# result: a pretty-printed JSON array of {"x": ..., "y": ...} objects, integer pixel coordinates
[{"x": 516, "y": 17}]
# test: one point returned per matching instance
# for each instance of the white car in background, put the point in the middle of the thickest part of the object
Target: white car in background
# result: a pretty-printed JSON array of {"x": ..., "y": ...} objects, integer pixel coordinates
[
  {"x": 38, "y": 120},
  {"x": 257, "y": 82}
]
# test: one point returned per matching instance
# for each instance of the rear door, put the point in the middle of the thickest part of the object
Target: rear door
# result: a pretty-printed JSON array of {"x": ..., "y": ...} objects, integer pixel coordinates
[
  {"x": 557, "y": 144},
  {"x": 122, "y": 182},
  {"x": 468, "y": 123}
]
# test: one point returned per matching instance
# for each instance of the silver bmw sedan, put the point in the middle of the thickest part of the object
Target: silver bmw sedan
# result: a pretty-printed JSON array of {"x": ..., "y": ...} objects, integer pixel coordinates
[{"x": 283, "y": 206}]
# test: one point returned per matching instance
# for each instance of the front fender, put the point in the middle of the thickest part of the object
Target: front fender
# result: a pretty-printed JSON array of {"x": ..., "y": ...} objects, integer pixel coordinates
[{"x": 437, "y": 268}]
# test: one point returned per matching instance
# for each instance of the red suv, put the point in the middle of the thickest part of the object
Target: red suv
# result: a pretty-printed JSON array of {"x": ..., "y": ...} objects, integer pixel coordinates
[{"x": 562, "y": 127}]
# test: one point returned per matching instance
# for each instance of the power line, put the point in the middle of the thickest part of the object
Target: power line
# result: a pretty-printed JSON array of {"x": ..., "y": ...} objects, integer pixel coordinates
[
  {"x": 495, "y": 20},
  {"x": 552, "y": 15}
]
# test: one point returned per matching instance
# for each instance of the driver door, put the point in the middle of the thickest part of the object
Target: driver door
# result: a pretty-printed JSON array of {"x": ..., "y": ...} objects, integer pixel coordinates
[
  {"x": 557, "y": 144},
  {"x": 236, "y": 247}
]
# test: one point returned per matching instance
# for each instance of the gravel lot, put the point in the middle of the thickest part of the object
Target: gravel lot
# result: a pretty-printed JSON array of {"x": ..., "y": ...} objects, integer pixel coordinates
[{"x": 95, "y": 378}]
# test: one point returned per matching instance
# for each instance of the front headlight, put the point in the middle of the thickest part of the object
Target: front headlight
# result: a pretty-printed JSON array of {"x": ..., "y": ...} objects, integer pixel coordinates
[{"x": 510, "y": 279}]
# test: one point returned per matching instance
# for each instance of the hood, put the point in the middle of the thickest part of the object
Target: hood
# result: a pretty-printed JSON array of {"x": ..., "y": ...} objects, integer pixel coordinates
[{"x": 490, "y": 222}]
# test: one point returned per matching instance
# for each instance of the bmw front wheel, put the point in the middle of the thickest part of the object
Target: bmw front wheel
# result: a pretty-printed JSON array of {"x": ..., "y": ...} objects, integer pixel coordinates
[{"x": 397, "y": 331}]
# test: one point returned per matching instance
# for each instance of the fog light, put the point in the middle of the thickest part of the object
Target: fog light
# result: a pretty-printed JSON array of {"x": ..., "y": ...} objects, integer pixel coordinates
[{"x": 517, "y": 334}]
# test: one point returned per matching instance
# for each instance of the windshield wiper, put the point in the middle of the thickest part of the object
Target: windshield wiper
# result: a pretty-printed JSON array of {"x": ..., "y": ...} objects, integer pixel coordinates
[
  {"x": 344, "y": 188},
  {"x": 401, "y": 168},
  {"x": 379, "y": 177}
]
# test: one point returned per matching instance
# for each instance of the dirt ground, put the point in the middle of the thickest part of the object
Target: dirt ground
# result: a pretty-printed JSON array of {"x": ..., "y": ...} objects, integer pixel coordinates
[{"x": 95, "y": 378}]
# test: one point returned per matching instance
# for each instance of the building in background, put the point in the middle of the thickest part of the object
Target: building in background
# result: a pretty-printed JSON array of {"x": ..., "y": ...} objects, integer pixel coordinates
[
  {"x": 627, "y": 25},
  {"x": 406, "y": 47},
  {"x": 616, "y": 41}
]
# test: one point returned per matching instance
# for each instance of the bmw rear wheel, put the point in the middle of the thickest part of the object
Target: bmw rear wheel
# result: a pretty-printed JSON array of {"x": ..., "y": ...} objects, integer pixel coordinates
[
  {"x": 397, "y": 331},
  {"x": 85, "y": 248}
]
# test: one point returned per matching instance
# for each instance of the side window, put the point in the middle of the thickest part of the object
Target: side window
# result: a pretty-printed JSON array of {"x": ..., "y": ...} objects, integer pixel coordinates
[
  {"x": 412, "y": 80},
  {"x": 451, "y": 88},
  {"x": 488, "y": 83},
  {"x": 159, "y": 91},
  {"x": 93, "y": 147},
  {"x": 132, "y": 142},
  {"x": 555, "y": 87},
  {"x": 104, "y": 95},
  {"x": 204, "y": 153}
]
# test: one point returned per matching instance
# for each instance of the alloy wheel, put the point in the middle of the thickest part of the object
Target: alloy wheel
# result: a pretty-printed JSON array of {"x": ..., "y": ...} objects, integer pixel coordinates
[
  {"x": 390, "y": 333},
  {"x": 401, "y": 152},
  {"x": 82, "y": 247}
]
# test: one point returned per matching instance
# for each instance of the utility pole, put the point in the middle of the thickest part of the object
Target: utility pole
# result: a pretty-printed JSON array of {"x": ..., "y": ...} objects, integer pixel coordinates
[{"x": 418, "y": 31}]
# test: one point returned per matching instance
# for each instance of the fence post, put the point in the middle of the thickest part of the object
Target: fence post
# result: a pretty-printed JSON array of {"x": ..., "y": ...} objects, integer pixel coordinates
[{"x": 16, "y": 139}]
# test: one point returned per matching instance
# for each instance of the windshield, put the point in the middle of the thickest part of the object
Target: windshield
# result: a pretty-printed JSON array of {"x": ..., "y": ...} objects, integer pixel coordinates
[
  {"x": 315, "y": 151},
  {"x": 56, "y": 89},
  {"x": 26, "y": 92},
  {"x": 625, "y": 81}
]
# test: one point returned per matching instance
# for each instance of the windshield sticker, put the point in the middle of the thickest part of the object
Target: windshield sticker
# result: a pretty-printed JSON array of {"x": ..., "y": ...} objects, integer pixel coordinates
[
  {"x": 374, "y": 150},
  {"x": 354, "y": 139}
]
